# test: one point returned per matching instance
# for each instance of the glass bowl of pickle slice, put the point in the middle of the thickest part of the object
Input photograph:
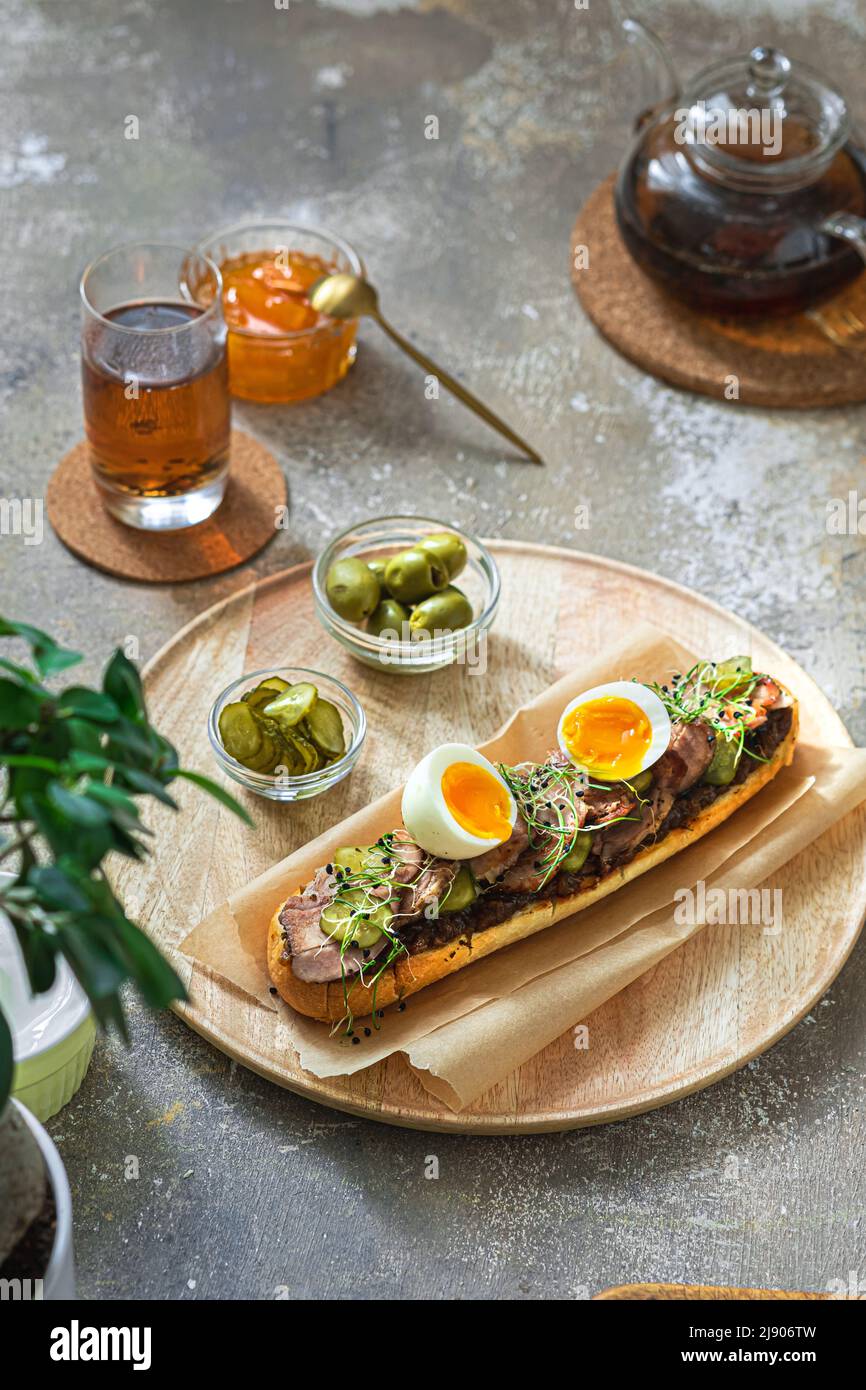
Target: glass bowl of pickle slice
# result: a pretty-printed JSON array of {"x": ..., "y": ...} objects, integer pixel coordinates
[{"x": 287, "y": 733}]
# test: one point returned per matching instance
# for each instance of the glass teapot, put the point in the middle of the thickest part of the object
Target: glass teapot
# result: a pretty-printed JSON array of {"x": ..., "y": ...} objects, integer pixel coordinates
[{"x": 744, "y": 194}]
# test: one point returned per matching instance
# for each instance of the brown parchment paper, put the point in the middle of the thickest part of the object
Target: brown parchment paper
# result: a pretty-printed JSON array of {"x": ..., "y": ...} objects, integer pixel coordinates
[{"x": 467, "y": 1032}]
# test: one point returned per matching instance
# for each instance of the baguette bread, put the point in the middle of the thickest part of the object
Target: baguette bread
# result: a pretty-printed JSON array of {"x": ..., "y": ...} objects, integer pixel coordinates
[{"x": 328, "y": 1001}]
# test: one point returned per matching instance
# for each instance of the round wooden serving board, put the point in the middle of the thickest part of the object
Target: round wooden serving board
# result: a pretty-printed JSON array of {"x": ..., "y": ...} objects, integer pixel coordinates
[{"x": 707, "y": 1009}]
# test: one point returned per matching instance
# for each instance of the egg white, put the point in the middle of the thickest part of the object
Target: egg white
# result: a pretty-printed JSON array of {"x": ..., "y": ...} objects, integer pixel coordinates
[
  {"x": 425, "y": 812},
  {"x": 639, "y": 695}
]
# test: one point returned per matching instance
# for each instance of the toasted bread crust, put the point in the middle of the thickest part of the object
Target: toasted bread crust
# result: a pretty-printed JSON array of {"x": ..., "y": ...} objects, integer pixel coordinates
[{"x": 328, "y": 1002}]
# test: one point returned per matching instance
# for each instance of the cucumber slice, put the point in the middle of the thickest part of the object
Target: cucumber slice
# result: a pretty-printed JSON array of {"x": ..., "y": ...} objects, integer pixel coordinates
[
  {"x": 357, "y": 858},
  {"x": 307, "y": 752},
  {"x": 641, "y": 782},
  {"x": 576, "y": 857},
  {"x": 726, "y": 759},
  {"x": 729, "y": 675},
  {"x": 341, "y": 920},
  {"x": 462, "y": 892},
  {"x": 241, "y": 736},
  {"x": 292, "y": 705},
  {"x": 267, "y": 759},
  {"x": 325, "y": 728}
]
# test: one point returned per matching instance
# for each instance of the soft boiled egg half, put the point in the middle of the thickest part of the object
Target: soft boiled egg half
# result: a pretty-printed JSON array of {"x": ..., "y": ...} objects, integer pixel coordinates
[
  {"x": 614, "y": 731},
  {"x": 456, "y": 805}
]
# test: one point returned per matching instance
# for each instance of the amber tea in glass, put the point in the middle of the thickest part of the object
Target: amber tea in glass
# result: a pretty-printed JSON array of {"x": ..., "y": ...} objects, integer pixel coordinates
[{"x": 155, "y": 384}]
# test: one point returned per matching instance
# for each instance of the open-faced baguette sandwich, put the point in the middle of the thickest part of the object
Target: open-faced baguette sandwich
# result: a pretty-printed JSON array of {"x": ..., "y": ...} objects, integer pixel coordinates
[{"x": 488, "y": 855}]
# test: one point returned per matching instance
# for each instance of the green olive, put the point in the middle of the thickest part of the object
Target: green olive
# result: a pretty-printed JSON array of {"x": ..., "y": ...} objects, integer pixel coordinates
[
  {"x": 388, "y": 617},
  {"x": 445, "y": 612},
  {"x": 414, "y": 575},
  {"x": 352, "y": 589},
  {"x": 448, "y": 549},
  {"x": 378, "y": 567}
]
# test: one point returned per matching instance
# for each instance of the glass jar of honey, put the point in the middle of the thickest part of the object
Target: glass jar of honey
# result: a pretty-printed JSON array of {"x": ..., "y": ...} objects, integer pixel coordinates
[{"x": 279, "y": 348}]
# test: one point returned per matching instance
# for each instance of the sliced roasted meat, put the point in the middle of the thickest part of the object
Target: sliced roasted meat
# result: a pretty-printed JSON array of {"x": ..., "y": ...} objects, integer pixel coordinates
[
  {"x": 687, "y": 757},
  {"x": 608, "y": 804},
  {"x": 408, "y": 857},
  {"x": 660, "y": 802},
  {"x": 430, "y": 887},
  {"x": 527, "y": 874},
  {"x": 493, "y": 863},
  {"x": 316, "y": 956},
  {"x": 619, "y": 840},
  {"x": 300, "y": 915},
  {"x": 327, "y": 962}
]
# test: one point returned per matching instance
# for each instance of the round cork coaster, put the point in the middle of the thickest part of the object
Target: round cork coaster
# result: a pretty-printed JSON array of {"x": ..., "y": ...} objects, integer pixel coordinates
[
  {"x": 243, "y": 523},
  {"x": 810, "y": 359}
]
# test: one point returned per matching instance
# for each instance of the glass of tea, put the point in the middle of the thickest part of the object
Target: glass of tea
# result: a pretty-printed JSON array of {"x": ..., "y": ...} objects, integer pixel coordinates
[
  {"x": 154, "y": 370},
  {"x": 280, "y": 349}
]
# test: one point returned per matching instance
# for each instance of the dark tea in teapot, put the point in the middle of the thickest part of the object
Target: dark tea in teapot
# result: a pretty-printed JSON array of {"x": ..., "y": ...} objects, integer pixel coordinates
[
  {"x": 731, "y": 195},
  {"x": 729, "y": 251}
]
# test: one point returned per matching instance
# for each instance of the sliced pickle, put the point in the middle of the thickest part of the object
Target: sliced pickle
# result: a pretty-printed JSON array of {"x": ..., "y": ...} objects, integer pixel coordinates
[
  {"x": 306, "y": 751},
  {"x": 273, "y": 683},
  {"x": 257, "y": 699},
  {"x": 292, "y": 705},
  {"x": 731, "y": 675},
  {"x": 241, "y": 736},
  {"x": 725, "y": 761},
  {"x": 357, "y": 858},
  {"x": 268, "y": 758},
  {"x": 576, "y": 857},
  {"x": 641, "y": 782},
  {"x": 342, "y": 919},
  {"x": 733, "y": 667},
  {"x": 325, "y": 728},
  {"x": 462, "y": 892}
]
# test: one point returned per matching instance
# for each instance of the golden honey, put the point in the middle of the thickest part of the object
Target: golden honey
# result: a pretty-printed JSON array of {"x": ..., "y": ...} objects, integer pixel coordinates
[{"x": 279, "y": 348}]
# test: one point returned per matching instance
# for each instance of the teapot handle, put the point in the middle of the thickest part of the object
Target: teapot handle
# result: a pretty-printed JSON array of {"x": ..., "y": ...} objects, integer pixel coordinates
[
  {"x": 646, "y": 38},
  {"x": 849, "y": 228}
]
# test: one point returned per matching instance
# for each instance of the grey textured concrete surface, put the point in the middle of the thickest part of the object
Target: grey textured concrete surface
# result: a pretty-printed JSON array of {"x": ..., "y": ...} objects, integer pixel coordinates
[{"x": 318, "y": 112}]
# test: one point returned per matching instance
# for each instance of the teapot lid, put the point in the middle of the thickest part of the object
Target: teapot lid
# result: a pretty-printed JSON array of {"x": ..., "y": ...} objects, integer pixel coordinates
[{"x": 762, "y": 117}]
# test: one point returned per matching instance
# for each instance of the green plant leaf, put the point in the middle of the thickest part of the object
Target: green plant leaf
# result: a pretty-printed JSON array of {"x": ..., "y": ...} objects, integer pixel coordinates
[
  {"x": 98, "y": 964},
  {"x": 93, "y": 763},
  {"x": 20, "y": 706},
  {"x": 39, "y": 951},
  {"x": 57, "y": 889},
  {"x": 7, "y": 1062},
  {"x": 158, "y": 983},
  {"x": 117, "y": 802},
  {"x": 30, "y": 760},
  {"x": 21, "y": 673},
  {"x": 87, "y": 704},
  {"x": 123, "y": 683},
  {"x": 84, "y": 737},
  {"x": 216, "y": 791},
  {"x": 86, "y": 847},
  {"x": 139, "y": 781},
  {"x": 76, "y": 808},
  {"x": 48, "y": 656}
]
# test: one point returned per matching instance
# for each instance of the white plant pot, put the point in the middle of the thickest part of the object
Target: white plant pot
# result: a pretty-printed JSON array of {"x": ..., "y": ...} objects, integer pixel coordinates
[{"x": 59, "y": 1278}]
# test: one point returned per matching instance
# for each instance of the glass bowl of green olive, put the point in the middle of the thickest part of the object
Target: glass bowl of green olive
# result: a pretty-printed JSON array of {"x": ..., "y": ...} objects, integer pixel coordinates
[
  {"x": 407, "y": 594},
  {"x": 287, "y": 733}
]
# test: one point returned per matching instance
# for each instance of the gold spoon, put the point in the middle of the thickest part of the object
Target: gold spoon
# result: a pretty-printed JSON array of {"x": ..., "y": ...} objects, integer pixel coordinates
[{"x": 344, "y": 296}]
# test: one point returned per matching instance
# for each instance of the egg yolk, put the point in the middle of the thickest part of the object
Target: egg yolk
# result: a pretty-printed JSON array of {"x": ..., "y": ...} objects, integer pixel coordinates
[
  {"x": 609, "y": 736},
  {"x": 477, "y": 801}
]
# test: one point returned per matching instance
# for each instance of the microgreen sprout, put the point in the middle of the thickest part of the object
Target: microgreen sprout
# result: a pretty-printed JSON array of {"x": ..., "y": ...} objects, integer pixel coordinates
[
  {"x": 720, "y": 695},
  {"x": 549, "y": 798}
]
